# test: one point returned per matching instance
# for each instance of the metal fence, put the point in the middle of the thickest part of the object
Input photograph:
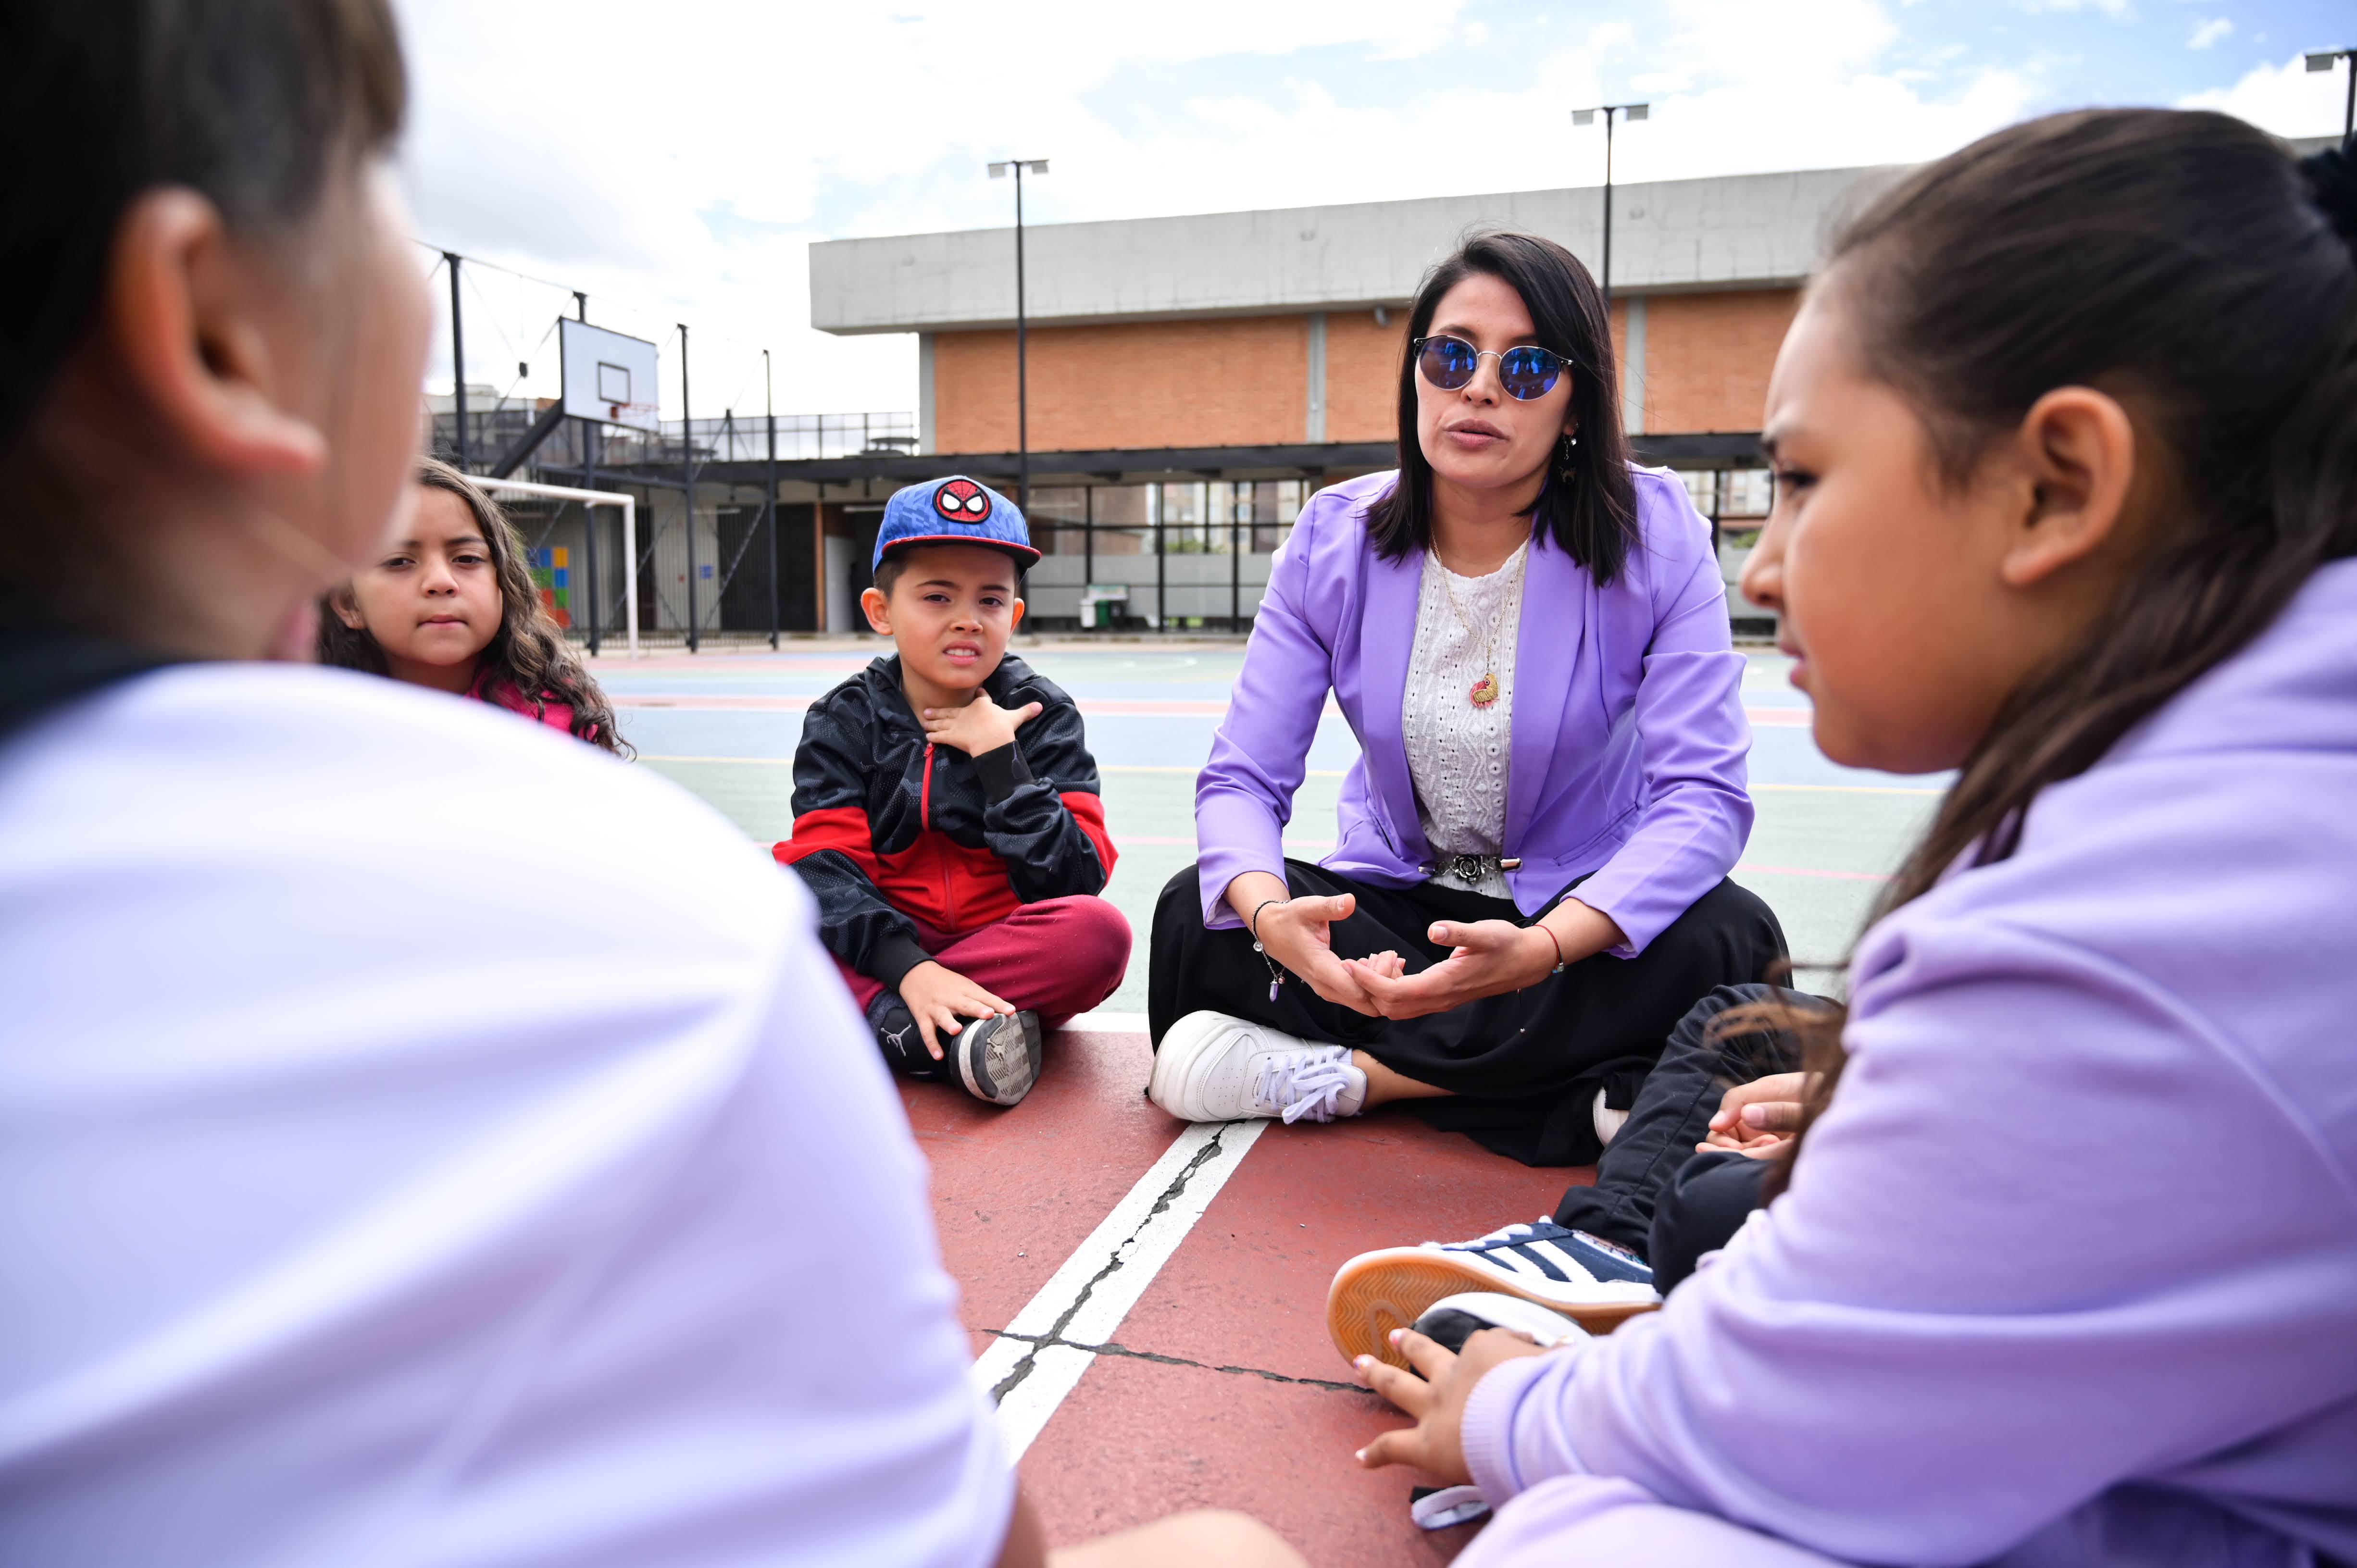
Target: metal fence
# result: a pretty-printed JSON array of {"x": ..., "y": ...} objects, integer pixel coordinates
[{"x": 495, "y": 428}]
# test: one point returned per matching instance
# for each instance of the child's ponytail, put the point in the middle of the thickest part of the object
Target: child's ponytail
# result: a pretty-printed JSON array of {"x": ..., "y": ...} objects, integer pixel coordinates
[{"x": 2186, "y": 262}]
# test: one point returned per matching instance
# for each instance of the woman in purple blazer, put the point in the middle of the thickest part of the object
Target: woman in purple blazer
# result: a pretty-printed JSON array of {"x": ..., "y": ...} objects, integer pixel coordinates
[{"x": 1529, "y": 636}]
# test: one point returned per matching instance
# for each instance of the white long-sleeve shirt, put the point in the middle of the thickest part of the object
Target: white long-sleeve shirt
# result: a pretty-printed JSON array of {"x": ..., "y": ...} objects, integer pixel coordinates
[{"x": 425, "y": 1140}]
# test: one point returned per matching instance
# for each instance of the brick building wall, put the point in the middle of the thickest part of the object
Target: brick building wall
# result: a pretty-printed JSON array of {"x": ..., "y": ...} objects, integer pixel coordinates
[
  {"x": 1234, "y": 382},
  {"x": 1243, "y": 380},
  {"x": 1707, "y": 356},
  {"x": 1363, "y": 375}
]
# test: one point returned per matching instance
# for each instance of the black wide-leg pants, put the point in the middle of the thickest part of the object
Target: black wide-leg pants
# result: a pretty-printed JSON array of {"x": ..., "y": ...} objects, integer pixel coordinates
[{"x": 1523, "y": 1068}]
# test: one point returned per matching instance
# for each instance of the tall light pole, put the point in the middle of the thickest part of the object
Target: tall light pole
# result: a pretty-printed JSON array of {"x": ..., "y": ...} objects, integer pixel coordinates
[
  {"x": 1022, "y": 385},
  {"x": 2323, "y": 59},
  {"x": 1635, "y": 112}
]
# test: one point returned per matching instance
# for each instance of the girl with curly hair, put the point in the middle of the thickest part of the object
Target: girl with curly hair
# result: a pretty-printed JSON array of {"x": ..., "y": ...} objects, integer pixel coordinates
[{"x": 451, "y": 605}]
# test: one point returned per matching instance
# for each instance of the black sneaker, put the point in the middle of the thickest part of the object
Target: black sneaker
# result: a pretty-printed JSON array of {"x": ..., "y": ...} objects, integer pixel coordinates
[
  {"x": 998, "y": 1058},
  {"x": 1454, "y": 1319},
  {"x": 902, "y": 1042}
]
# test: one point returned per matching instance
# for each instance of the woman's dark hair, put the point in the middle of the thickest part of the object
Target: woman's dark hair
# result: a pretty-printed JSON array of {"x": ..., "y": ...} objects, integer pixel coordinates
[
  {"x": 527, "y": 655},
  {"x": 1593, "y": 517},
  {"x": 2189, "y": 265},
  {"x": 252, "y": 104}
]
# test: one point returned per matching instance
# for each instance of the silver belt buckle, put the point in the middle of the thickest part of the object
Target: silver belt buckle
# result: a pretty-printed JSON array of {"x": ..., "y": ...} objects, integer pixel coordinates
[{"x": 1476, "y": 869}]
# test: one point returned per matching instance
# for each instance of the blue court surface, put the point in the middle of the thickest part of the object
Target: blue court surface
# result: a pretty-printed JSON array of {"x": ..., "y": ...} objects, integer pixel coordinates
[
  {"x": 724, "y": 725},
  {"x": 1146, "y": 1297}
]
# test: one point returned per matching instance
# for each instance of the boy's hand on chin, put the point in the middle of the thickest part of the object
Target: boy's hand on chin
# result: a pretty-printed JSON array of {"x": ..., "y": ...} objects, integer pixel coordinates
[{"x": 981, "y": 726}]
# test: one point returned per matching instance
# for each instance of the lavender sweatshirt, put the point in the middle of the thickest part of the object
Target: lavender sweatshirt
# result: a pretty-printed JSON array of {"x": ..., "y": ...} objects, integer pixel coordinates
[
  {"x": 1629, "y": 744},
  {"x": 2067, "y": 1271}
]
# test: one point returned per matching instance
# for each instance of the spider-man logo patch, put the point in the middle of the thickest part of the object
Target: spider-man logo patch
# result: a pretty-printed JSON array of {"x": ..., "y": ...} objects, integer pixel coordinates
[{"x": 961, "y": 501}]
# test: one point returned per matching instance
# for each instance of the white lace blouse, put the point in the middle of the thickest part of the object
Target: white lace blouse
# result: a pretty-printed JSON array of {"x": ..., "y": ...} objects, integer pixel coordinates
[{"x": 1456, "y": 752}]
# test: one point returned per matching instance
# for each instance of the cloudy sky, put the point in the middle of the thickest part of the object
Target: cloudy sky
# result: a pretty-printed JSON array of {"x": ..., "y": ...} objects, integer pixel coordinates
[{"x": 676, "y": 161}]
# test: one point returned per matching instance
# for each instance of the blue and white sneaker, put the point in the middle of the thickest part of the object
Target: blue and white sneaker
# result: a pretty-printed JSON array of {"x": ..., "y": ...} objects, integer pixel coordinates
[{"x": 1584, "y": 1277}]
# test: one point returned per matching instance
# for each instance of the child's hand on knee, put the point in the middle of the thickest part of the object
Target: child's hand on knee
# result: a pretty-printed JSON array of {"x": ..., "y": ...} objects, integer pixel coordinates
[
  {"x": 937, "y": 997},
  {"x": 1756, "y": 1118}
]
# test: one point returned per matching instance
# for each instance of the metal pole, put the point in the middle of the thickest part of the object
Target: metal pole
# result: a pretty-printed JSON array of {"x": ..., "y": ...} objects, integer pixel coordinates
[
  {"x": 1608, "y": 221},
  {"x": 688, "y": 469},
  {"x": 589, "y": 441},
  {"x": 769, "y": 402},
  {"x": 458, "y": 358},
  {"x": 1160, "y": 493},
  {"x": 1022, "y": 383},
  {"x": 1235, "y": 565},
  {"x": 1088, "y": 541},
  {"x": 631, "y": 582},
  {"x": 590, "y": 532}
]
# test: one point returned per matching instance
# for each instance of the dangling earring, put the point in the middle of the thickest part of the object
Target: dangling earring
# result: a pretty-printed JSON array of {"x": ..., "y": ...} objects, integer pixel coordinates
[{"x": 1567, "y": 455}]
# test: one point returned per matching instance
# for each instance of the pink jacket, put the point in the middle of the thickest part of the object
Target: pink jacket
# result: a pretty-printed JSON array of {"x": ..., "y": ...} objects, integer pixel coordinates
[{"x": 556, "y": 715}]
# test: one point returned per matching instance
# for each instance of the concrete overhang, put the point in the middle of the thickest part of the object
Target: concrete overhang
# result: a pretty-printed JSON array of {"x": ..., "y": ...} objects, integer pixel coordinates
[{"x": 1760, "y": 231}]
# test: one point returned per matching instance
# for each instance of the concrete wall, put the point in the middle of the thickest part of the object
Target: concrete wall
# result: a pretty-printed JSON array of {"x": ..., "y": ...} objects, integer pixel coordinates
[{"x": 1746, "y": 231}]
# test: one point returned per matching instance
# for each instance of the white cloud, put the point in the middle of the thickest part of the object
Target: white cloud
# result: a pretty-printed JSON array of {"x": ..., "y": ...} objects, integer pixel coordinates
[
  {"x": 677, "y": 161},
  {"x": 2285, "y": 99},
  {"x": 2210, "y": 32}
]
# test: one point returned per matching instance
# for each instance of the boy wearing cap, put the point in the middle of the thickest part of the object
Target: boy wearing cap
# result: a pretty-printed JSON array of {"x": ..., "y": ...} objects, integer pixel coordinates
[{"x": 946, "y": 810}]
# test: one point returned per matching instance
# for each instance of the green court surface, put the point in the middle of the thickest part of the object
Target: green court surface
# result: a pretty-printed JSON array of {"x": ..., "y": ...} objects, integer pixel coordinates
[{"x": 725, "y": 726}]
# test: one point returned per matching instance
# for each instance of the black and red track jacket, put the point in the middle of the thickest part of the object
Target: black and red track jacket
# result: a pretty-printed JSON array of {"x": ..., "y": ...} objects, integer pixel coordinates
[{"x": 887, "y": 826}]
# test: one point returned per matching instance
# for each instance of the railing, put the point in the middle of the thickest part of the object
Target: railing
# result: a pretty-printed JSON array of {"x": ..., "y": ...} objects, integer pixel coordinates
[{"x": 743, "y": 438}]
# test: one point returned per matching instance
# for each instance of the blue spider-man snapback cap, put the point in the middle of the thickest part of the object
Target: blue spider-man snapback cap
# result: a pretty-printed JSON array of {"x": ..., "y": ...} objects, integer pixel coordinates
[{"x": 955, "y": 511}]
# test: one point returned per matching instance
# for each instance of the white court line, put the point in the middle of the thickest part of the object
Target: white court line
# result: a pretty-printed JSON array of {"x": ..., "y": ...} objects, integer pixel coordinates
[{"x": 1089, "y": 1295}]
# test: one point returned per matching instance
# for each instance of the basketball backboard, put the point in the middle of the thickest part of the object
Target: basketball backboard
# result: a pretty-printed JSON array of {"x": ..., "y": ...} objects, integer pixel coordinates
[{"x": 608, "y": 378}]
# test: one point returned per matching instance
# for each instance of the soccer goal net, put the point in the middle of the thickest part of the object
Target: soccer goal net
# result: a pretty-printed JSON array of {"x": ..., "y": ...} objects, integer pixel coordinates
[{"x": 571, "y": 543}]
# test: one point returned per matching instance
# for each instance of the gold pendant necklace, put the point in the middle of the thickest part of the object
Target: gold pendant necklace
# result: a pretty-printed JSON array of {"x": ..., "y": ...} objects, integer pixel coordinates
[{"x": 1485, "y": 691}]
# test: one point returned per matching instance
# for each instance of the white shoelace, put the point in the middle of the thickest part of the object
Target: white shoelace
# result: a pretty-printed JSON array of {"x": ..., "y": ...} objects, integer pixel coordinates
[{"x": 1304, "y": 1083}]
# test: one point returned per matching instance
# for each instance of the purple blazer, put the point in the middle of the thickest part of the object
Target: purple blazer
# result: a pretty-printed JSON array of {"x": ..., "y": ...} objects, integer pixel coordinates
[{"x": 1629, "y": 734}]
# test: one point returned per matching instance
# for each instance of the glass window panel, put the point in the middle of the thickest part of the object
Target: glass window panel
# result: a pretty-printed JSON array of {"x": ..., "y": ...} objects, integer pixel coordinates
[
  {"x": 1058, "y": 518},
  {"x": 1749, "y": 492},
  {"x": 1701, "y": 488}
]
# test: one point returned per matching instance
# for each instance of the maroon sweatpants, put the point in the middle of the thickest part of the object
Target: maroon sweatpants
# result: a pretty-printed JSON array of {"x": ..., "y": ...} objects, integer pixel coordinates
[{"x": 1055, "y": 958}]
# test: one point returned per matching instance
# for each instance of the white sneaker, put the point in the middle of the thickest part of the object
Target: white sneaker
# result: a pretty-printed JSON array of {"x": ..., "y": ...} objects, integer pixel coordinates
[
  {"x": 1607, "y": 1120},
  {"x": 1213, "y": 1067}
]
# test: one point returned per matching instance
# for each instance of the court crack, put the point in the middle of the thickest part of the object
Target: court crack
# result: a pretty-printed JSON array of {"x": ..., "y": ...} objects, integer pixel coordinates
[
  {"x": 1114, "y": 1265},
  {"x": 1110, "y": 1348}
]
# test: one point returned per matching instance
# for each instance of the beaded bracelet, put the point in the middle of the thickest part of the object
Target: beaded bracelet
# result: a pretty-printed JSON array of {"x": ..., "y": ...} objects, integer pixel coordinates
[{"x": 1275, "y": 974}]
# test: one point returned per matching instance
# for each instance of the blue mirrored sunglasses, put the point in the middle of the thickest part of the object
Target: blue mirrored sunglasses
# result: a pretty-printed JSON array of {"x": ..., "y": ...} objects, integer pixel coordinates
[{"x": 1526, "y": 371}]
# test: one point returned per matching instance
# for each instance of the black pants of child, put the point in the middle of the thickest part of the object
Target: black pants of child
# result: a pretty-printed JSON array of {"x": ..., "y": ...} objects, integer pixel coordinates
[
  {"x": 1654, "y": 1194},
  {"x": 1523, "y": 1069}
]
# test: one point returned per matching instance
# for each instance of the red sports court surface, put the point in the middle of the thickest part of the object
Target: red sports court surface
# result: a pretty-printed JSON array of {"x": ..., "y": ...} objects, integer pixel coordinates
[{"x": 1151, "y": 1297}]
